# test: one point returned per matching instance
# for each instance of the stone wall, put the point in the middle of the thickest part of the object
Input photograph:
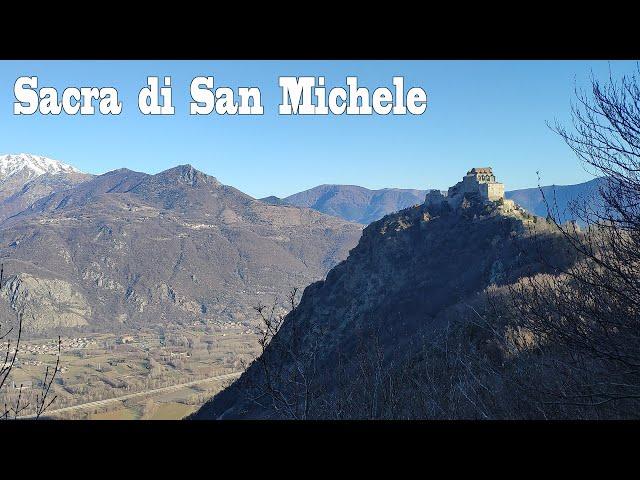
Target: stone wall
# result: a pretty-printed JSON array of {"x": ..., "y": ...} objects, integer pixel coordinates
[{"x": 492, "y": 191}]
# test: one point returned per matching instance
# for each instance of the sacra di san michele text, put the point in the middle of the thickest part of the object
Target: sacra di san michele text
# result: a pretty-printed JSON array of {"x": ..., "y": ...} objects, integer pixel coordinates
[{"x": 299, "y": 96}]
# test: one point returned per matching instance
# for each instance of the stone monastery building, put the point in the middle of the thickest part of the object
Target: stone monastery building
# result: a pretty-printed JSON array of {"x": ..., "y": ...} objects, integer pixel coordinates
[{"x": 479, "y": 181}]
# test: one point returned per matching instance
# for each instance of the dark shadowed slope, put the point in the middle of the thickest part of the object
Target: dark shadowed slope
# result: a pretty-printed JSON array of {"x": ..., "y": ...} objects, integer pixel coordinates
[{"x": 411, "y": 273}]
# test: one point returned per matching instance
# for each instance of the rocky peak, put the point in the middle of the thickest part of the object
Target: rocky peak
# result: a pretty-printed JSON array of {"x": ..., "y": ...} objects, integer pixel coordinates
[{"x": 186, "y": 174}]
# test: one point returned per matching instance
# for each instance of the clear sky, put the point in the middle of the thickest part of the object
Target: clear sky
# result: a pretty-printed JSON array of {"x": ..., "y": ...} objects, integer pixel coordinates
[{"x": 479, "y": 114}]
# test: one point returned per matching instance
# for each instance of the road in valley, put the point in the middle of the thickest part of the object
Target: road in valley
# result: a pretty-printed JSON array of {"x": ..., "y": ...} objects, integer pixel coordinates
[{"x": 155, "y": 391}]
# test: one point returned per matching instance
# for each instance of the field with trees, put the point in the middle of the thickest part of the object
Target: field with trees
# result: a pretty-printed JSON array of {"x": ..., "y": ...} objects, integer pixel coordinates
[{"x": 98, "y": 367}]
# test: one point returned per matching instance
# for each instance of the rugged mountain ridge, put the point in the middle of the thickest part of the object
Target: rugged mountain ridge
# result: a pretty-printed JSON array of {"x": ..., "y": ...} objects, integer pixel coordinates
[
  {"x": 26, "y": 178},
  {"x": 411, "y": 273},
  {"x": 127, "y": 248}
]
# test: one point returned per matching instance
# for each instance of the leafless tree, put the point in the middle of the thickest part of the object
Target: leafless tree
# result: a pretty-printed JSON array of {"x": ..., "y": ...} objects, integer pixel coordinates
[
  {"x": 560, "y": 344},
  {"x": 43, "y": 398},
  {"x": 289, "y": 369},
  {"x": 590, "y": 311}
]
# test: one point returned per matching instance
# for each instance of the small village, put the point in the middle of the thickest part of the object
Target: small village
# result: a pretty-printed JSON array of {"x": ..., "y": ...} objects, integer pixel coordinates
[
  {"x": 51, "y": 346},
  {"x": 99, "y": 366}
]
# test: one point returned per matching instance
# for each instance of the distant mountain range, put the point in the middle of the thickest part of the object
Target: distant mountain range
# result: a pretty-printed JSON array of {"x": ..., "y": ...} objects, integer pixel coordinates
[
  {"x": 126, "y": 248},
  {"x": 559, "y": 197},
  {"x": 361, "y": 205},
  {"x": 351, "y": 202}
]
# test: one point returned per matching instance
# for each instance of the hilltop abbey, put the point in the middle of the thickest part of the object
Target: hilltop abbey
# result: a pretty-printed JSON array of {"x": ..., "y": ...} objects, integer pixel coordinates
[{"x": 479, "y": 182}]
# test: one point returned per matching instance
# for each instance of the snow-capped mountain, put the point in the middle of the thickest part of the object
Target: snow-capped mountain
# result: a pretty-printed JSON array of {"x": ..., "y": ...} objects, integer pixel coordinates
[
  {"x": 32, "y": 166},
  {"x": 25, "y": 178}
]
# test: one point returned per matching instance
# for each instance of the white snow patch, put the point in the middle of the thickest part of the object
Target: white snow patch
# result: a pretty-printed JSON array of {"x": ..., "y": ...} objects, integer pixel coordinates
[{"x": 34, "y": 165}]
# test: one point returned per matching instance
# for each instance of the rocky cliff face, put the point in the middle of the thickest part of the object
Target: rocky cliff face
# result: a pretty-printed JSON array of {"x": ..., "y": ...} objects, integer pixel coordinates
[
  {"x": 128, "y": 248},
  {"x": 409, "y": 275},
  {"x": 46, "y": 303}
]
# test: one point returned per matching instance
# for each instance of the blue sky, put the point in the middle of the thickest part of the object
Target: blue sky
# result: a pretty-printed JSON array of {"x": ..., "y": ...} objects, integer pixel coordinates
[{"x": 479, "y": 114}]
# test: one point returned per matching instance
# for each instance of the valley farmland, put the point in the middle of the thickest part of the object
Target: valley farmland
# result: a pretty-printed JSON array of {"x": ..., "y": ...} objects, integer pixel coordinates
[{"x": 156, "y": 373}]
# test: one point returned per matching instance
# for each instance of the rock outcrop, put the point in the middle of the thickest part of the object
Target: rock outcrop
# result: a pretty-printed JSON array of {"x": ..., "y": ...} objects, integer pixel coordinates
[{"x": 45, "y": 303}]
